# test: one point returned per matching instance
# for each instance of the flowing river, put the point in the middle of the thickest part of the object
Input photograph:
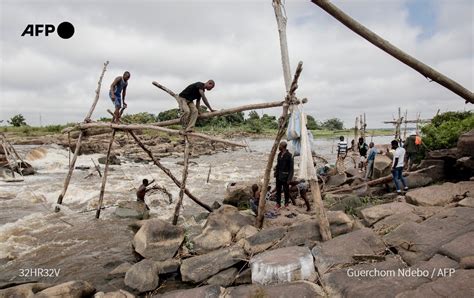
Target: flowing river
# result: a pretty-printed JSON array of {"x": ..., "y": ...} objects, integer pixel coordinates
[{"x": 33, "y": 236}]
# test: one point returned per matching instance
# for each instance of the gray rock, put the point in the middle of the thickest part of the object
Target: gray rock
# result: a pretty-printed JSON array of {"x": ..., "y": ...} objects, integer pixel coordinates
[
  {"x": 391, "y": 222},
  {"x": 467, "y": 262},
  {"x": 420, "y": 241},
  {"x": 24, "y": 290},
  {"x": 460, "y": 247},
  {"x": 339, "y": 250},
  {"x": 375, "y": 213},
  {"x": 72, "y": 289},
  {"x": 120, "y": 270},
  {"x": 245, "y": 232},
  {"x": 382, "y": 166},
  {"x": 467, "y": 202},
  {"x": 168, "y": 266},
  {"x": 307, "y": 232},
  {"x": 288, "y": 290},
  {"x": 336, "y": 180},
  {"x": 221, "y": 226},
  {"x": 211, "y": 291},
  {"x": 283, "y": 265},
  {"x": 143, "y": 276},
  {"x": 132, "y": 209},
  {"x": 114, "y": 294},
  {"x": 199, "y": 268},
  {"x": 244, "y": 277},
  {"x": 158, "y": 240},
  {"x": 458, "y": 285},
  {"x": 224, "y": 278},
  {"x": 439, "y": 195},
  {"x": 436, "y": 173},
  {"x": 113, "y": 160},
  {"x": 263, "y": 240},
  {"x": 465, "y": 144},
  {"x": 238, "y": 194}
]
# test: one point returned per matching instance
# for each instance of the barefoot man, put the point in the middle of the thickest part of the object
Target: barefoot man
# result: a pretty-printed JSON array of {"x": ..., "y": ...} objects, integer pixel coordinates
[
  {"x": 187, "y": 96},
  {"x": 117, "y": 93}
]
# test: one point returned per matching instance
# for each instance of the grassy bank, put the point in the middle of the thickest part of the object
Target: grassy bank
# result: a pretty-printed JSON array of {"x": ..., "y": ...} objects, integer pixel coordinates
[{"x": 33, "y": 131}]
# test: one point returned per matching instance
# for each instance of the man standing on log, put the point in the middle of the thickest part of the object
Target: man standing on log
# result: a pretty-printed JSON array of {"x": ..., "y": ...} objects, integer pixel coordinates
[
  {"x": 117, "y": 93},
  {"x": 397, "y": 166},
  {"x": 283, "y": 174},
  {"x": 187, "y": 96}
]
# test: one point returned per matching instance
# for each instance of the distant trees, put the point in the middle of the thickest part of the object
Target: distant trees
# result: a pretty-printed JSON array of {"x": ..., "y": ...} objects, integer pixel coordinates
[
  {"x": 333, "y": 124},
  {"x": 17, "y": 121}
]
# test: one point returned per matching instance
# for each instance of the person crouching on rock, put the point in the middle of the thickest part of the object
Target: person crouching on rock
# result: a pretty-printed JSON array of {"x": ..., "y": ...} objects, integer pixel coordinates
[
  {"x": 302, "y": 187},
  {"x": 254, "y": 200},
  {"x": 142, "y": 190}
]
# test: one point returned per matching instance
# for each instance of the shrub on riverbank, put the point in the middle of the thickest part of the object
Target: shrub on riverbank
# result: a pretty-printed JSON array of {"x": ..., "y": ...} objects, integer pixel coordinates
[{"x": 444, "y": 130}]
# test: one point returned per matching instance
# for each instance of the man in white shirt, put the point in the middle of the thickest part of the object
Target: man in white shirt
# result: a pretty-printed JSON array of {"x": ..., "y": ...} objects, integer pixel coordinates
[{"x": 397, "y": 166}]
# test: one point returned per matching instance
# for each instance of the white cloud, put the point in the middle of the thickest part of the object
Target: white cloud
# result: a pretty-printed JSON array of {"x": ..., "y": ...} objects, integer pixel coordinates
[{"x": 236, "y": 44}]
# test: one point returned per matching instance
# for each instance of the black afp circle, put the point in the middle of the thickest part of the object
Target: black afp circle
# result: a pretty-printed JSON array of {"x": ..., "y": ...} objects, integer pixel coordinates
[{"x": 65, "y": 30}]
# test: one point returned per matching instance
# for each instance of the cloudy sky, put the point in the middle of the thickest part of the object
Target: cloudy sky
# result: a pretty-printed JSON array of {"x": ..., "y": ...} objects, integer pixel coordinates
[{"x": 236, "y": 44}]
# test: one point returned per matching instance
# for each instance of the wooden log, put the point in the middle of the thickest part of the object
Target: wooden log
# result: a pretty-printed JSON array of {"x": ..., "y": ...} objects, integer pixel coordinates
[
  {"x": 104, "y": 177},
  {"x": 97, "y": 167},
  {"x": 79, "y": 140},
  {"x": 168, "y": 173},
  {"x": 378, "y": 181},
  {"x": 321, "y": 216},
  {"x": 395, "y": 52},
  {"x": 209, "y": 174},
  {"x": 183, "y": 181},
  {"x": 131, "y": 127},
  {"x": 285, "y": 60}
]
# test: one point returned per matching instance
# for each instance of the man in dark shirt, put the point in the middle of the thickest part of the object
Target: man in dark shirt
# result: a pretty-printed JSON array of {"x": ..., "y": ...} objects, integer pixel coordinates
[
  {"x": 142, "y": 190},
  {"x": 283, "y": 174},
  {"x": 187, "y": 96},
  {"x": 411, "y": 150},
  {"x": 363, "y": 148}
]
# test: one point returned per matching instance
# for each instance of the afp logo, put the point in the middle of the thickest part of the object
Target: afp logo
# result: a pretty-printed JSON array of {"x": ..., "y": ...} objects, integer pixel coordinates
[{"x": 65, "y": 30}]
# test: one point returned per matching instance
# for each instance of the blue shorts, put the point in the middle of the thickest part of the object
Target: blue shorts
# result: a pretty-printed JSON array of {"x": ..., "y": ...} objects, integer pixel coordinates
[{"x": 117, "y": 101}]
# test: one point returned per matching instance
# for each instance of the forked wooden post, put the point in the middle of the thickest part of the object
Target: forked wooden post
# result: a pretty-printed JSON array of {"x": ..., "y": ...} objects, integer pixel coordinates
[
  {"x": 168, "y": 172},
  {"x": 79, "y": 140},
  {"x": 183, "y": 180},
  {"x": 356, "y": 131},
  {"x": 104, "y": 177}
]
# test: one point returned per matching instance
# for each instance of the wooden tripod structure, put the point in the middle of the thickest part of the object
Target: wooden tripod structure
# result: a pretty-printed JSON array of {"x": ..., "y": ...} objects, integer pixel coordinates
[{"x": 403, "y": 120}]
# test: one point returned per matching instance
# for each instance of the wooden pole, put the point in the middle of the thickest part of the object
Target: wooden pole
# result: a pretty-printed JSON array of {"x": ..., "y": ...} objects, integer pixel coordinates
[
  {"x": 271, "y": 157},
  {"x": 324, "y": 228},
  {"x": 79, "y": 140},
  {"x": 183, "y": 181},
  {"x": 356, "y": 132},
  {"x": 285, "y": 59},
  {"x": 209, "y": 174},
  {"x": 168, "y": 172},
  {"x": 97, "y": 167},
  {"x": 405, "y": 127},
  {"x": 395, "y": 52},
  {"x": 365, "y": 127},
  {"x": 130, "y": 127},
  {"x": 104, "y": 177}
]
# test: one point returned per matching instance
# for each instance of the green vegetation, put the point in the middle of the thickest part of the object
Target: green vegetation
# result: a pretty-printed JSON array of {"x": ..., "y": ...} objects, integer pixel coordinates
[
  {"x": 17, "y": 121},
  {"x": 445, "y": 129}
]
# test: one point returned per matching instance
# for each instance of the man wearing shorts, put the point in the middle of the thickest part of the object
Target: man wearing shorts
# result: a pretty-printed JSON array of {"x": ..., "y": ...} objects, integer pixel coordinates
[{"x": 117, "y": 93}]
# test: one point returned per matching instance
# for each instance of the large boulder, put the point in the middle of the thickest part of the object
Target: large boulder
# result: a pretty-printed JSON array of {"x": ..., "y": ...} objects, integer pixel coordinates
[
  {"x": 437, "y": 173},
  {"x": 339, "y": 250},
  {"x": 466, "y": 144},
  {"x": 263, "y": 240},
  {"x": 132, "y": 209},
  {"x": 199, "y": 268},
  {"x": 143, "y": 276},
  {"x": 420, "y": 241},
  {"x": 283, "y": 265},
  {"x": 120, "y": 270},
  {"x": 288, "y": 290},
  {"x": 211, "y": 291},
  {"x": 168, "y": 266},
  {"x": 382, "y": 166},
  {"x": 245, "y": 232},
  {"x": 221, "y": 226},
  {"x": 439, "y": 195},
  {"x": 72, "y": 289},
  {"x": 467, "y": 202},
  {"x": 158, "y": 239},
  {"x": 113, "y": 160},
  {"x": 238, "y": 194}
]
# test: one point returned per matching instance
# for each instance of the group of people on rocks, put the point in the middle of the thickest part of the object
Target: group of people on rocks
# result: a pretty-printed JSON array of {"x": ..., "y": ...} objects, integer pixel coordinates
[
  {"x": 403, "y": 157},
  {"x": 193, "y": 92}
]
